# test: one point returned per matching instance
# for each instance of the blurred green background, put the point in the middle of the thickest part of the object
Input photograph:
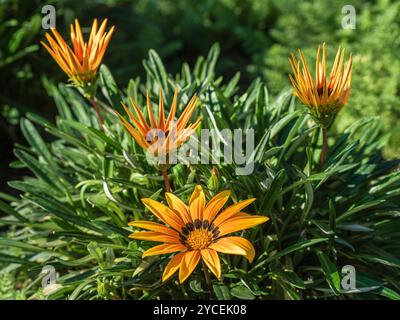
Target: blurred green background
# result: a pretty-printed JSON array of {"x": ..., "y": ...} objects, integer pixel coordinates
[{"x": 256, "y": 37}]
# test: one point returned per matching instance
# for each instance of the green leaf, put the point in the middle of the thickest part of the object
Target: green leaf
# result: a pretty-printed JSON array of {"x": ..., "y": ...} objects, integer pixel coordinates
[
  {"x": 356, "y": 209},
  {"x": 242, "y": 292},
  {"x": 96, "y": 252},
  {"x": 195, "y": 285},
  {"x": 332, "y": 275},
  {"x": 38, "y": 169},
  {"x": 36, "y": 141},
  {"x": 293, "y": 248},
  {"x": 9, "y": 210},
  {"x": 8, "y": 259},
  {"x": 158, "y": 68},
  {"x": 110, "y": 87},
  {"x": 290, "y": 277},
  {"x": 62, "y": 211},
  {"x": 221, "y": 291}
]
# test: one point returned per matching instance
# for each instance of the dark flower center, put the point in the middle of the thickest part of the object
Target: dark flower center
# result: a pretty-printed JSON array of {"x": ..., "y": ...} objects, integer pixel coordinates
[{"x": 199, "y": 234}]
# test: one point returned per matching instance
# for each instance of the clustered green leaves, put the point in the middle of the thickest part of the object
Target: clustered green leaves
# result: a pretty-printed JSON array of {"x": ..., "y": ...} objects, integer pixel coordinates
[{"x": 85, "y": 185}]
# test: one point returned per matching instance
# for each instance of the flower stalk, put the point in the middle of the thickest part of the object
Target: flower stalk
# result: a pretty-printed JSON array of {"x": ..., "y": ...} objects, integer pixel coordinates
[
  {"x": 96, "y": 107},
  {"x": 324, "y": 146},
  {"x": 207, "y": 279},
  {"x": 166, "y": 180}
]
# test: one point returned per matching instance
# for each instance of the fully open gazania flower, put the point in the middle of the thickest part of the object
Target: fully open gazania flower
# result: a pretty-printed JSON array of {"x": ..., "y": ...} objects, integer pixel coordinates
[
  {"x": 81, "y": 61},
  {"x": 163, "y": 136},
  {"x": 197, "y": 231},
  {"x": 324, "y": 97}
]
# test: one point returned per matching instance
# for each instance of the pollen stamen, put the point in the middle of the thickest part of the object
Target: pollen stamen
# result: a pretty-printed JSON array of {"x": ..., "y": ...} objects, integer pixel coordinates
[{"x": 198, "y": 235}]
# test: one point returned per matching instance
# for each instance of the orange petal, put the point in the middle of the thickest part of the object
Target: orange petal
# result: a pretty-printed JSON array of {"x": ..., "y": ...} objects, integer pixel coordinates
[
  {"x": 197, "y": 203},
  {"x": 153, "y": 236},
  {"x": 215, "y": 205},
  {"x": 139, "y": 114},
  {"x": 137, "y": 123},
  {"x": 188, "y": 264},
  {"x": 150, "y": 112},
  {"x": 164, "y": 213},
  {"x": 178, "y": 206},
  {"x": 153, "y": 226},
  {"x": 211, "y": 258},
  {"x": 161, "y": 111},
  {"x": 240, "y": 222},
  {"x": 187, "y": 113},
  {"x": 134, "y": 133},
  {"x": 231, "y": 210},
  {"x": 172, "y": 111},
  {"x": 234, "y": 245},
  {"x": 93, "y": 32},
  {"x": 163, "y": 249},
  {"x": 173, "y": 266}
]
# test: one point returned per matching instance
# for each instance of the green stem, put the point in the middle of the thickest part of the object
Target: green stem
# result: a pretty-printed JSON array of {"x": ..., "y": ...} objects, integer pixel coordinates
[
  {"x": 207, "y": 278},
  {"x": 96, "y": 107},
  {"x": 324, "y": 146}
]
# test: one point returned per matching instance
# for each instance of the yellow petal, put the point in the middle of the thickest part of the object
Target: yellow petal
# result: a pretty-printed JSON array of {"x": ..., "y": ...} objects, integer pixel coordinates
[
  {"x": 211, "y": 258},
  {"x": 140, "y": 140},
  {"x": 153, "y": 226},
  {"x": 238, "y": 223},
  {"x": 153, "y": 236},
  {"x": 197, "y": 203},
  {"x": 173, "y": 266},
  {"x": 140, "y": 116},
  {"x": 178, "y": 206},
  {"x": 234, "y": 245},
  {"x": 161, "y": 121},
  {"x": 150, "y": 111},
  {"x": 163, "y": 249},
  {"x": 187, "y": 113},
  {"x": 215, "y": 205},
  {"x": 231, "y": 210},
  {"x": 188, "y": 264},
  {"x": 164, "y": 213},
  {"x": 172, "y": 111}
]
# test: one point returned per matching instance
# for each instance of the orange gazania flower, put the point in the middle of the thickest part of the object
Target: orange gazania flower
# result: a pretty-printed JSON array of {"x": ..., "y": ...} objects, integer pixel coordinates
[
  {"x": 81, "y": 61},
  {"x": 324, "y": 97},
  {"x": 197, "y": 231},
  {"x": 164, "y": 135}
]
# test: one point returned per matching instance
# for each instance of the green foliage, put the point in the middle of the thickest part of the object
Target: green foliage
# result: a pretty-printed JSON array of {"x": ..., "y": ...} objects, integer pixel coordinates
[
  {"x": 374, "y": 43},
  {"x": 256, "y": 37},
  {"x": 7, "y": 288},
  {"x": 86, "y": 184}
]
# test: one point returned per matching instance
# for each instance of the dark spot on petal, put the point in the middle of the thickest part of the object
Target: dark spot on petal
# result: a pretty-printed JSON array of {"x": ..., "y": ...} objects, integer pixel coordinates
[
  {"x": 190, "y": 226},
  {"x": 197, "y": 223},
  {"x": 211, "y": 227},
  {"x": 205, "y": 224},
  {"x": 185, "y": 231}
]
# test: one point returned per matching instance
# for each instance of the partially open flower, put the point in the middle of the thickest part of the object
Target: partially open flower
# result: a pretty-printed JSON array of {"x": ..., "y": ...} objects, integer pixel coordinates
[
  {"x": 162, "y": 137},
  {"x": 197, "y": 231},
  {"x": 323, "y": 97},
  {"x": 81, "y": 61}
]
